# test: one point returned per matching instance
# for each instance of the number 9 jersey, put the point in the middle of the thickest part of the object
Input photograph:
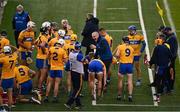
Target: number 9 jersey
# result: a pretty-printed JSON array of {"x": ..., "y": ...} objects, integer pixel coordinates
[{"x": 125, "y": 53}]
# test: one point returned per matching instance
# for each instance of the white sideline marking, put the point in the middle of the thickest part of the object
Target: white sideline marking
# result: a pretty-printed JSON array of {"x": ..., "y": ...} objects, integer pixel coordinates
[
  {"x": 95, "y": 8},
  {"x": 108, "y": 22},
  {"x": 169, "y": 17},
  {"x": 147, "y": 49},
  {"x": 95, "y": 15},
  {"x": 124, "y": 105},
  {"x": 119, "y": 30},
  {"x": 131, "y": 105},
  {"x": 116, "y": 8}
]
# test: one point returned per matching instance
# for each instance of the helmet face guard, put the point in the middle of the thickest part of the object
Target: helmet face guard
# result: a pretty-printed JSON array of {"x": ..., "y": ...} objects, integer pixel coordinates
[
  {"x": 77, "y": 46},
  {"x": 132, "y": 29}
]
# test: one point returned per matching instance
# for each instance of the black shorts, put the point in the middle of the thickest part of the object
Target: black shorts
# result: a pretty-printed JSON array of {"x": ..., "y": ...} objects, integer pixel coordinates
[{"x": 108, "y": 64}]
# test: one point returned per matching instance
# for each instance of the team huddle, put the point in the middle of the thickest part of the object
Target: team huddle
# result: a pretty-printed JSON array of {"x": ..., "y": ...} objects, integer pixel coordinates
[{"x": 58, "y": 51}]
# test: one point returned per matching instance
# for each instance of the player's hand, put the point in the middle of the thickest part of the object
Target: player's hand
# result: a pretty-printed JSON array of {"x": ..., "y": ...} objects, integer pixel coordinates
[
  {"x": 0, "y": 82},
  {"x": 172, "y": 73},
  {"x": 105, "y": 88},
  {"x": 92, "y": 46}
]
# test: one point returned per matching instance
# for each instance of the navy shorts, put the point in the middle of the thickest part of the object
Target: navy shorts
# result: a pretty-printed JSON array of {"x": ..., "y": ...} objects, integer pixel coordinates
[
  {"x": 24, "y": 55},
  {"x": 7, "y": 83},
  {"x": 67, "y": 66},
  {"x": 126, "y": 68},
  {"x": 95, "y": 67},
  {"x": 26, "y": 87},
  {"x": 56, "y": 73},
  {"x": 137, "y": 58},
  {"x": 41, "y": 63}
]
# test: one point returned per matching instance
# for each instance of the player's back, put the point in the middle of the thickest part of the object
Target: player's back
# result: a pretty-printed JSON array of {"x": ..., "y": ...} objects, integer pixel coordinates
[
  {"x": 8, "y": 64},
  {"x": 108, "y": 39},
  {"x": 125, "y": 53},
  {"x": 57, "y": 55},
  {"x": 52, "y": 42},
  {"x": 3, "y": 42},
  {"x": 21, "y": 74}
]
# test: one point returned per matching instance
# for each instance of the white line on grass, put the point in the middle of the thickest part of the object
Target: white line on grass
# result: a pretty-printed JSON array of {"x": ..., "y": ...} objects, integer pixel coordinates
[
  {"x": 119, "y": 30},
  {"x": 116, "y": 8},
  {"x": 95, "y": 8},
  {"x": 124, "y": 105},
  {"x": 147, "y": 49},
  {"x": 169, "y": 17},
  {"x": 95, "y": 15},
  {"x": 108, "y": 22},
  {"x": 138, "y": 105}
]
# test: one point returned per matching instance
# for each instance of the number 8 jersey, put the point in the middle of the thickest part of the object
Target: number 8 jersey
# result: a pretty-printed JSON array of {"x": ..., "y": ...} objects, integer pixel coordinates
[
  {"x": 8, "y": 63},
  {"x": 125, "y": 53}
]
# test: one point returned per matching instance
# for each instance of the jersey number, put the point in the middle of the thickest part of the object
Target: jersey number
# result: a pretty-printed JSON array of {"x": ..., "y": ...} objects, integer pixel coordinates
[
  {"x": 55, "y": 56},
  {"x": 128, "y": 52},
  {"x": 11, "y": 62},
  {"x": 21, "y": 71}
]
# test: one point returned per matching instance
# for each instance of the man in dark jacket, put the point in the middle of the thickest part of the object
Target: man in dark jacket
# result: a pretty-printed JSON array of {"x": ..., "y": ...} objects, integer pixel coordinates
[
  {"x": 20, "y": 20},
  {"x": 102, "y": 50},
  {"x": 162, "y": 58},
  {"x": 92, "y": 24},
  {"x": 171, "y": 39}
]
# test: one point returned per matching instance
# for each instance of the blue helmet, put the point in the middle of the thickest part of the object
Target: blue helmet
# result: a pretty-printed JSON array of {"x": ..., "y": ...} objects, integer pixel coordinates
[
  {"x": 77, "y": 45},
  {"x": 132, "y": 27}
]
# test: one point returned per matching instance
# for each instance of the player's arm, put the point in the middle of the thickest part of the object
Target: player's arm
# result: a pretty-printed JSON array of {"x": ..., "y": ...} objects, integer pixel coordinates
[
  {"x": 32, "y": 73},
  {"x": 117, "y": 53},
  {"x": 7, "y": 42},
  {"x": 43, "y": 47},
  {"x": 143, "y": 44},
  {"x": 80, "y": 57},
  {"x": 65, "y": 57},
  {"x": 14, "y": 49},
  {"x": 20, "y": 40},
  {"x": 153, "y": 59},
  {"x": 104, "y": 74}
]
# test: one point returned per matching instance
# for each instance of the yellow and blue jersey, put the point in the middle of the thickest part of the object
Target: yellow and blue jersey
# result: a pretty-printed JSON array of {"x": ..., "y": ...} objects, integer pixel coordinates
[
  {"x": 21, "y": 74},
  {"x": 27, "y": 38},
  {"x": 3, "y": 42},
  {"x": 42, "y": 53},
  {"x": 135, "y": 42},
  {"x": 125, "y": 53},
  {"x": 57, "y": 55},
  {"x": 8, "y": 64}
]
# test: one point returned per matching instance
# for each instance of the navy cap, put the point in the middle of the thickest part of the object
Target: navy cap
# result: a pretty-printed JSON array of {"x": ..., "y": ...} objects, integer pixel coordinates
[{"x": 3, "y": 33}]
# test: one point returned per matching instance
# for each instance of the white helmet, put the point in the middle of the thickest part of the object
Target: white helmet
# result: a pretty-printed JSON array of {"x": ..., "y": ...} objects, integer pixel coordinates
[
  {"x": 46, "y": 24},
  {"x": 64, "y": 21},
  {"x": 31, "y": 24},
  {"x": 7, "y": 49},
  {"x": 61, "y": 41},
  {"x": 61, "y": 33}
]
